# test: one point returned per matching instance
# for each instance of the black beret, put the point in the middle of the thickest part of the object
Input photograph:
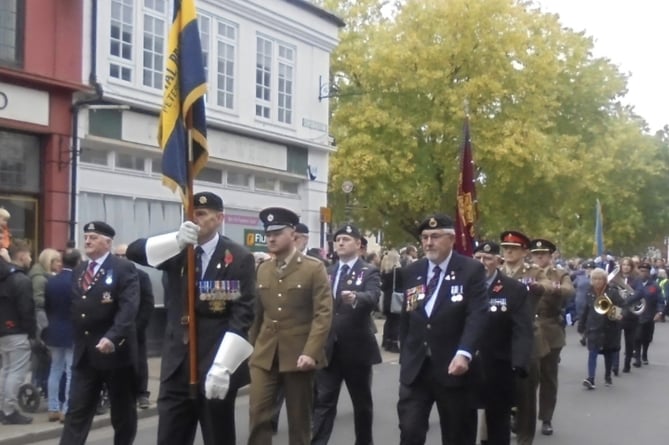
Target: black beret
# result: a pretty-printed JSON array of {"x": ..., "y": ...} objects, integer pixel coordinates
[
  {"x": 436, "y": 221},
  {"x": 277, "y": 218},
  {"x": 514, "y": 238},
  {"x": 488, "y": 247},
  {"x": 542, "y": 245},
  {"x": 302, "y": 228},
  {"x": 100, "y": 227},
  {"x": 207, "y": 200},
  {"x": 349, "y": 230}
]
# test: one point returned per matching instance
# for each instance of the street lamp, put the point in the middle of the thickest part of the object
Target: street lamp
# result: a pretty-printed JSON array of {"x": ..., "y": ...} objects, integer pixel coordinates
[{"x": 347, "y": 188}]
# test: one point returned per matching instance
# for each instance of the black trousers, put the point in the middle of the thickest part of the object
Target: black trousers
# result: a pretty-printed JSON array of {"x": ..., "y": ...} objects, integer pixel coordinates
[
  {"x": 629, "y": 328},
  {"x": 84, "y": 394},
  {"x": 178, "y": 414},
  {"x": 457, "y": 412},
  {"x": 643, "y": 338},
  {"x": 391, "y": 329},
  {"x": 498, "y": 397},
  {"x": 358, "y": 379},
  {"x": 142, "y": 366}
]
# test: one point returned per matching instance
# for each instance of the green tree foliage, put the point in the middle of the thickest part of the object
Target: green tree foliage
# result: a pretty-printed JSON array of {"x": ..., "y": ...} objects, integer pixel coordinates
[{"x": 548, "y": 130}]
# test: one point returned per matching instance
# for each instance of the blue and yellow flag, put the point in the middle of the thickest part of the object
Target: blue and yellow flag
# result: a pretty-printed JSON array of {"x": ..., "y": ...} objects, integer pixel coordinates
[
  {"x": 183, "y": 101},
  {"x": 598, "y": 248}
]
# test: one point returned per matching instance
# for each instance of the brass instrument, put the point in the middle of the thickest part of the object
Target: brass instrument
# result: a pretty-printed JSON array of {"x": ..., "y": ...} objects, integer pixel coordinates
[
  {"x": 626, "y": 291},
  {"x": 604, "y": 306}
]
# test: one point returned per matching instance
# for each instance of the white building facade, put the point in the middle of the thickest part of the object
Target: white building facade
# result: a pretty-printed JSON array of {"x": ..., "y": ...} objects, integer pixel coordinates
[{"x": 266, "y": 61}]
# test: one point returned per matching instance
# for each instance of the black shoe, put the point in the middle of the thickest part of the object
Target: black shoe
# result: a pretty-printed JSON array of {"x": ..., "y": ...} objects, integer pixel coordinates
[
  {"x": 16, "y": 418},
  {"x": 143, "y": 402},
  {"x": 589, "y": 383},
  {"x": 582, "y": 341},
  {"x": 608, "y": 381},
  {"x": 615, "y": 372},
  {"x": 636, "y": 364},
  {"x": 546, "y": 428},
  {"x": 626, "y": 369},
  {"x": 645, "y": 360}
]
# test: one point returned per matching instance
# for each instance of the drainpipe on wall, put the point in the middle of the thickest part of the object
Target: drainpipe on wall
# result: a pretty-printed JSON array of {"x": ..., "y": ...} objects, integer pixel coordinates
[{"x": 97, "y": 98}]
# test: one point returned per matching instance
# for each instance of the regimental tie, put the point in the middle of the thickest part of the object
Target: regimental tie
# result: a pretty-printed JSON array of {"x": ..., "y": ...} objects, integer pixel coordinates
[
  {"x": 430, "y": 290},
  {"x": 198, "y": 262},
  {"x": 88, "y": 276},
  {"x": 343, "y": 272},
  {"x": 433, "y": 283}
]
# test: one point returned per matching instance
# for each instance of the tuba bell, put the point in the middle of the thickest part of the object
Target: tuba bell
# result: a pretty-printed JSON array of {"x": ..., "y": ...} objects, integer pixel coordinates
[{"x": 626, "y": 291}]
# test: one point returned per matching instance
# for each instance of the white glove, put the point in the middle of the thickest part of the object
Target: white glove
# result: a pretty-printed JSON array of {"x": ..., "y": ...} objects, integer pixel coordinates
[
  {"x": 187, "y": 234},
  {"x": 161, "y": 248},
  {"x": 231, "y": 353}
]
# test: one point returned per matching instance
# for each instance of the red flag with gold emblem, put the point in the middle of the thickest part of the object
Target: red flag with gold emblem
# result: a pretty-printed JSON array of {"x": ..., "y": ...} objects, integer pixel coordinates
[{"x": 466, "y": 200}]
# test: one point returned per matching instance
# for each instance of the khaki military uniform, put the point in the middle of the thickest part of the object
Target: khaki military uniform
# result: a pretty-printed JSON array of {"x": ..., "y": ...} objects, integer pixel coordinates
[
  {"x": 550, "y": 324},
  {"x": 526, "y": 388},
  {"x": 293, "y": 318}
]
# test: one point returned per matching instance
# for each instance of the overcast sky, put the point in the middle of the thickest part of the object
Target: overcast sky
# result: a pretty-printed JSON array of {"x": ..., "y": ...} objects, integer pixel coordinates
[{"x": 633, "y": 34}]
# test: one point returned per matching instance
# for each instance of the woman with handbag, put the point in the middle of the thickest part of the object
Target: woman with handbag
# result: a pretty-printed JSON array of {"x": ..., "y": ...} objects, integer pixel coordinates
[{"x": 392, "y": 300}]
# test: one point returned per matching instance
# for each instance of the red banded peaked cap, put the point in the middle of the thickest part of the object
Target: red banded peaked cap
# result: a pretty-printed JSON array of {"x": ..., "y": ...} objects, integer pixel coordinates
[{"x": 514, "y": 238}]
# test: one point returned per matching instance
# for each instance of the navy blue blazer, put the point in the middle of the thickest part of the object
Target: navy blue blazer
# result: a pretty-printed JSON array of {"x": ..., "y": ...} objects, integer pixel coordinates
[
  {"x": 457, "y": 321},
  {"x": 57, "y": 303}
]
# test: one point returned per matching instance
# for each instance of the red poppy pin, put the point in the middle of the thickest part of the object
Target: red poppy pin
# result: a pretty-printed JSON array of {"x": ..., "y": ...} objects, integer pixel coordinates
[
  {"x": 227, "y": 259},
  {"x": 652, "y": 288},
  {"x": 497, "y": 288}
]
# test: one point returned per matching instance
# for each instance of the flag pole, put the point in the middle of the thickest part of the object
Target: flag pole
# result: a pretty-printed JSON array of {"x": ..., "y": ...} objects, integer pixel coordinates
[{"x": 190, "y": 258}]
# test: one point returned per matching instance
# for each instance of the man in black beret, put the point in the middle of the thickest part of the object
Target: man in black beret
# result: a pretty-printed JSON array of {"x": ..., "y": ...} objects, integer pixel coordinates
[
  {"x": 652, "y": 312},
  {"x": 441, "y": 325},
  {"x": 293, "y": 317},
  {"x": 352, "y": 348},
  {"x": 301, "y": 237},
  {"x": 549, "y": 320},
  {"x": 105, "y": 299},
  {"x": 225, "y": 295},
  {"x": 506, "y": 347}
]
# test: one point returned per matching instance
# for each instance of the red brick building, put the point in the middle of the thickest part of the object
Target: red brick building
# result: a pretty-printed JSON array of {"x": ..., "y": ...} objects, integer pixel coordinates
[{"x": 40, "y": 70}]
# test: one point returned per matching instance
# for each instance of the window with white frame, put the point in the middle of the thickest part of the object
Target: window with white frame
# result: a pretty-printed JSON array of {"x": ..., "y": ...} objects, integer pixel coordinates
[
  {"x": 204, "y": 24},
  {"x": 226, "y": 42},
  {"x": 275, "y": 57},
  {"x": 153, "y": 42},
  {"x": 133, "y": 22},
  {"x": 263, "y": 77},
  {"x": 286, "y": 81},
  {"x": 120, "y": 41}
]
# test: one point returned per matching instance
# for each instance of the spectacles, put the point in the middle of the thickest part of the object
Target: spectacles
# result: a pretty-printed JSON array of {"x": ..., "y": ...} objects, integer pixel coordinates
[{"x": 432, "y": 236}]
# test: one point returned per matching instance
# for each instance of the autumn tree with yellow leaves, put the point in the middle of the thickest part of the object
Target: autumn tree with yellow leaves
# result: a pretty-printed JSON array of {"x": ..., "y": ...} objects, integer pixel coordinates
[{"x": 548, "y": 130}]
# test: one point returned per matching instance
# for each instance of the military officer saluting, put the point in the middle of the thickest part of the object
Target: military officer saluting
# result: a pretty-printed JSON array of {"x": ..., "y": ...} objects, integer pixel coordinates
[
  {"x": 352, "y": 348},
  {"x": 293, "y": 317},
  {"x": 557, "y": 291},
  {"x": 105, "y": 298},
  {"x": 506, "y": 347},
  {"x": 515, "y": 247}
]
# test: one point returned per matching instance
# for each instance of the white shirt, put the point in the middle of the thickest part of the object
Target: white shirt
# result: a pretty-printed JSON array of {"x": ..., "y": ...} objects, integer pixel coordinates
[
  {"x": 98, "y": 263},
  {"x": 429, "y": 305},
  {"x": 208, "y": 249},
  {"x": 350, "y": 265}
]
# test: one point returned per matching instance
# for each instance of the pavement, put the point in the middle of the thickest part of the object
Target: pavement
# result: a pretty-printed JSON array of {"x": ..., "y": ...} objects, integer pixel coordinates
[{"x": 41, "y": 429}]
